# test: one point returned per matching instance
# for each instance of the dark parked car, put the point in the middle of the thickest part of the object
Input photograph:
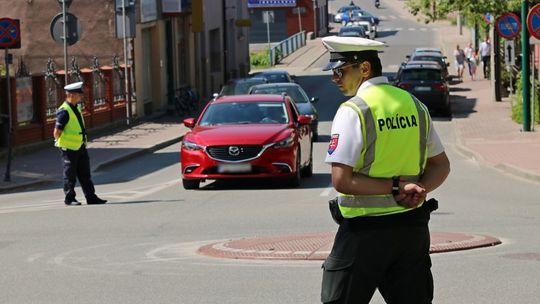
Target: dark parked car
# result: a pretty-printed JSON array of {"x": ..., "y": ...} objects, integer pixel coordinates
[
  {"x": 431, "y": 56},
  {"x": 304, "y": 104},
  {"x": 273, "y": 76},
  {"x": 353, "y": 31},
  {"x": 247, "y": 136},
  {"x": 240, "y": 86},
  {"x": 425, "y": 80}
]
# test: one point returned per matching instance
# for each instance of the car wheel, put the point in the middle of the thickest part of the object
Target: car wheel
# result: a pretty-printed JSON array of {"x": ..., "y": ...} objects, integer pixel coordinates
[
  {"x": 191, "y": 184},
  {"x": 308, "y": 171},
  {"x": 295, "y": 180}
]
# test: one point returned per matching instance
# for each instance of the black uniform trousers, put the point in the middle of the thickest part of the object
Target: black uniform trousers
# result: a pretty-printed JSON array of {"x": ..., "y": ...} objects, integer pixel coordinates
[
  {"x": 389, "y": 253},
  {"x": 76, "y": 165}
]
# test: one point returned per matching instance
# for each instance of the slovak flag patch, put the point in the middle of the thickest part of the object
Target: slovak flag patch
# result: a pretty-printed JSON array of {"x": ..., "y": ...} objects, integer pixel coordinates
[{"x": 334, "y": 139}]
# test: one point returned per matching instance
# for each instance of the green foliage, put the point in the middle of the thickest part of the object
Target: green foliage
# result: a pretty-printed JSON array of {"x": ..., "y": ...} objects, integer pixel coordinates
[
  {"x": 2, "y": 70},
  {"x": 259, "y": 60},
  {"x": 472, "y": 10},
  {"x": 517, "y": 105}
]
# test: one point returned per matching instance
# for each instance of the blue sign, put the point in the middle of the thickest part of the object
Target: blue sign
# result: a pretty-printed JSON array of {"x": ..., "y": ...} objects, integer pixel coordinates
[
  {"x": 508, "y": 25},
  {"x": 533, "y": 21},
  {"x": 10, "y": 33},
  {"x": 271, "y": 3}
]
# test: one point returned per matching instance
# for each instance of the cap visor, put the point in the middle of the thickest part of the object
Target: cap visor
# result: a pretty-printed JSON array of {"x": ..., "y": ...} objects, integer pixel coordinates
[{"x": 333, "y": 64}]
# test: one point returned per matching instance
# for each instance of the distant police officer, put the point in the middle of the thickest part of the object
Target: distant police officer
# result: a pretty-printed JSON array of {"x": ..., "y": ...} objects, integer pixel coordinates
[
  {"x": 385, "y": 156},
  {"x": 70, "y": 136}
]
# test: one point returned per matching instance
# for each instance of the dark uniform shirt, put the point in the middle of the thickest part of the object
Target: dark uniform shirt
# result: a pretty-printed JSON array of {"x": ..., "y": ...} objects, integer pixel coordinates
[{"x": 62, "y": 118}]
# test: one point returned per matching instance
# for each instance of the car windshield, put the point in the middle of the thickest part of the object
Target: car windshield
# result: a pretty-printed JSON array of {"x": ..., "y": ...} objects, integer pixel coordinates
[
  {"x": 421, "y": 74},
  {"x": 427, "y": 58},
  {"x": 239, "y": 87},
  {"x": 275, "y": 77},
  {"x": 293, "y": 92},
  {"x": 262, "y": 112}
]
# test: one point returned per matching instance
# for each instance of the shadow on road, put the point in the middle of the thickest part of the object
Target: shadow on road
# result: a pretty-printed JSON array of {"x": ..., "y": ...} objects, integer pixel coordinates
[{"x": 318, "y": 180}]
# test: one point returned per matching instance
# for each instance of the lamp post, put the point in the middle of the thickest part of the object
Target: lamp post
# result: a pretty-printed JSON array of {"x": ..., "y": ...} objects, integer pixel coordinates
[{"x": 525, "y": 73}]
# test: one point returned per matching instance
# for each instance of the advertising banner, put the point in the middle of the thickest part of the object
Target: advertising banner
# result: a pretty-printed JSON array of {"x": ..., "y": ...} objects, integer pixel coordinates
[{"x": 271, "y": 3}]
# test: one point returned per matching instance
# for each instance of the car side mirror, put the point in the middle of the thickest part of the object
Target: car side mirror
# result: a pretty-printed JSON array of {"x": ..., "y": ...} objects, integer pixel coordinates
[
  {"x": 304, "y": 119},
  {"x": 314, "y": 99},
  {"x": 408, "y": 57},
  {"x": 189, "y": 122}
]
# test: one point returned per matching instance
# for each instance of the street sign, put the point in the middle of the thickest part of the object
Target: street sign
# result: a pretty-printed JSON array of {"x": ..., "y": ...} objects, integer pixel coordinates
[
  {"x": 301, "y": 10},
  {"x": 509, "y": 52},
  {"x": 533, "y": 21},
  {"x": 268, "y": 16},
  {"x": 73, "y": 29},
  {"x": 68, "y": 2},
  {"x": 508, "y": 25},
  {"x": 10, "y": 33}
]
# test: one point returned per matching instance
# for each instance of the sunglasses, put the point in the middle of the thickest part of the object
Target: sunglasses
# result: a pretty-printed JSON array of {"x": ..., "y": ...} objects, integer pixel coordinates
[{"x": 339, "y": 71}]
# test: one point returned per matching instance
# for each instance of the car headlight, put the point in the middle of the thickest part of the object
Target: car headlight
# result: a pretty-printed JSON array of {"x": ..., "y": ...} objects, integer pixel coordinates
[
  {"x": 285, "y": 143},
  {"x": 188, "y": 145}
]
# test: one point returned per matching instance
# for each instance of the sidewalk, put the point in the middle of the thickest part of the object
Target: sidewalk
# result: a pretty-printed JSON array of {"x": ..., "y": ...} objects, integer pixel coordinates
[{"x": 43, "y": 165}]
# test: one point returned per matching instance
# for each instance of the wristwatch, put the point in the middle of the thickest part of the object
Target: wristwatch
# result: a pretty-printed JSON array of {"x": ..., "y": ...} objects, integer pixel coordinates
[{"x": 395, "y": 185}]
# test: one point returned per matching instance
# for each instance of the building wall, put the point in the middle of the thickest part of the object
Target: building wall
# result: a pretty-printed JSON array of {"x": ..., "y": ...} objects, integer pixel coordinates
[{"x": 97, "y": 39}]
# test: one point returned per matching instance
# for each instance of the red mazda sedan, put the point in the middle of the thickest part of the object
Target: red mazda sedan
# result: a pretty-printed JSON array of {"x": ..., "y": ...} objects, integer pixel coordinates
[{"x": 247, "y": 136}]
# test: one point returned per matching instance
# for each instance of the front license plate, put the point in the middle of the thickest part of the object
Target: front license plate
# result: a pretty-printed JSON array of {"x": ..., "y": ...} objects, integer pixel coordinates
[
  {"x": 423, "y": 89},
  {"x": 234, "y": 168}
]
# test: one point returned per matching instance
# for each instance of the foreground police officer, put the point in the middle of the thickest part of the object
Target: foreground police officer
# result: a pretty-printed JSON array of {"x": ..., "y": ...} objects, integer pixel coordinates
[
  {"x": 70, "y": 136},
  {"x": 385, "y": 156}
]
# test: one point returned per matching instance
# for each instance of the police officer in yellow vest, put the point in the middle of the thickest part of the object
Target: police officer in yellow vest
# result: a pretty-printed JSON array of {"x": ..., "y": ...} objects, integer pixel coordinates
[
  {"x": 70, "y": 136},
  {"x": 385, "y": 157}
]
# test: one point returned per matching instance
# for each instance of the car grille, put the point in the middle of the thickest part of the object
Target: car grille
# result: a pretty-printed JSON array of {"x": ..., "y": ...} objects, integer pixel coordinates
[{"x": 233, "y": 153}]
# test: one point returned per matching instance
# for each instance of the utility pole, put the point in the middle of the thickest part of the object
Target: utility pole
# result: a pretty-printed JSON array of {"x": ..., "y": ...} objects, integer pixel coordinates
[
  {"x": 525, "y": 62},
  {"x": 64, "y": 25}
]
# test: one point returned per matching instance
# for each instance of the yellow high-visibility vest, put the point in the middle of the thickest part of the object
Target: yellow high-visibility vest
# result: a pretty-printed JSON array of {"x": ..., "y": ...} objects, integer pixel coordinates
[
  {"x": 395, "y": 128},
  {"x": 71, "y": 137}
]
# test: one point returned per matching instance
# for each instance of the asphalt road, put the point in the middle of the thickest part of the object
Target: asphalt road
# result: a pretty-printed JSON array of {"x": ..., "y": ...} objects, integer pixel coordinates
[{"x": 141, "y": 247}]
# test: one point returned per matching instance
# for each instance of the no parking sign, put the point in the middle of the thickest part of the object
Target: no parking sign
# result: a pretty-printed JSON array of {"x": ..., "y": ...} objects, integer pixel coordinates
[
  {"x": 10, "y": 33},
  {"x": 508, "y": 25},
  {"x": 533, "y": 21}
]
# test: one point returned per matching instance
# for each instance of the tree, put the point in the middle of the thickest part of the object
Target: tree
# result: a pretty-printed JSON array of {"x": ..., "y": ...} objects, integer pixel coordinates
[{"x": 472, "y": 10}]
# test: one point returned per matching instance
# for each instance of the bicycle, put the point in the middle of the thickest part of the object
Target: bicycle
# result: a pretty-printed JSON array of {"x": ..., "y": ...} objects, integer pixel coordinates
[{"x": 185, "y": 100}]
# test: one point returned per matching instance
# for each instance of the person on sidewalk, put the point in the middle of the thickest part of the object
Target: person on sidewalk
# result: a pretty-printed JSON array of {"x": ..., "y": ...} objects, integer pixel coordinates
[
  {"x": 386, "y": 157},
  {"x": 473, "y": 63},
  {"x": 70, "y": 136},
  {"x": 485, "y": 54},
  {"x": 459, "y": 56},
  {"x": 468, "y": 54}
]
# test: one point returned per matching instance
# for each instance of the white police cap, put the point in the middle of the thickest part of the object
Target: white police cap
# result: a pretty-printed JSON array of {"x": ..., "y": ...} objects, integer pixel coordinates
[
  {"x": 76, "y": 87},
  {"x": 350, "y": 49}
]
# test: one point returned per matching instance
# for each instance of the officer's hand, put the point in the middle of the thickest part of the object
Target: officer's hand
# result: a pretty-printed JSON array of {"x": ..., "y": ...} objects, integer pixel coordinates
[{"x": 410, "y": 195}]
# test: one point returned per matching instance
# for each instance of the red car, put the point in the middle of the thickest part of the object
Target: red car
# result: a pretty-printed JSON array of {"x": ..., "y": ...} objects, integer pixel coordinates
[{"x": 247, "y": 136}]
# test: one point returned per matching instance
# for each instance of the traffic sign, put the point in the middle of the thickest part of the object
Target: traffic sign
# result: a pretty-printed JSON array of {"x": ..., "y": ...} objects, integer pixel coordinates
[
  {"x": 73, "y": 29},
  {"x": 508, "y": 25},
  {"x": 10, "y": 33},
  {"x": 533, "y": 21},
  {"x": 68, "y": 2},
  {"x": 509, "y": 50}
]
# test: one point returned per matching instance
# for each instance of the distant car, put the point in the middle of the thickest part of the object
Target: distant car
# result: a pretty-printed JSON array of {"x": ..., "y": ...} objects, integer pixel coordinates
[
  {"x": 247, "y": 136},
  {"x": 275, "y": 76},
  {"x": 431, "y": 56},
  {"x": 240, "y": 86},
  {"x": 427, "y": 50},
  {"x": 368, "y": 28},
  {"x": 303, "y": 102},
  {"x": 360, "y": 15},
  {"x": 353, "y": 31},
  {"x": 343, "y": 12},
  {"x": 425, "y": 80}
]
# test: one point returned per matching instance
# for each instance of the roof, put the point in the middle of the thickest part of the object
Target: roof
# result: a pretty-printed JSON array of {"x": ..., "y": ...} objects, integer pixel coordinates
[
  {"x": 249, "y": 98},
  {"x": 276, "y": 84},
  {"x": 422, "y": 64}
]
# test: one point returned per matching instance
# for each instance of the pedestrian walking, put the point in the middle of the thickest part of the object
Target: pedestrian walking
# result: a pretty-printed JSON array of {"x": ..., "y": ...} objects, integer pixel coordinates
[
  {"x": 459, "y": 56},
  {"x": 70, "y": 136},
  {"x": 468, "y": 54},
  {"x": 386, "y": 157},
  {"x": 473, "y": 63},
  {"x": 485, "y": 55}
]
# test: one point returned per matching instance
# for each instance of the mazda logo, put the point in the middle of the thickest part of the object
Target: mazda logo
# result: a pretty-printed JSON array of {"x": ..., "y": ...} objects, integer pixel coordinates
[{"x": 234, "y": 151}]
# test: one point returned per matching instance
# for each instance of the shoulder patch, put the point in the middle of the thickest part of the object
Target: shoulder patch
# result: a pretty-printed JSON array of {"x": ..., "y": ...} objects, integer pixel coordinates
[{"x": 334, "y": 140}]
